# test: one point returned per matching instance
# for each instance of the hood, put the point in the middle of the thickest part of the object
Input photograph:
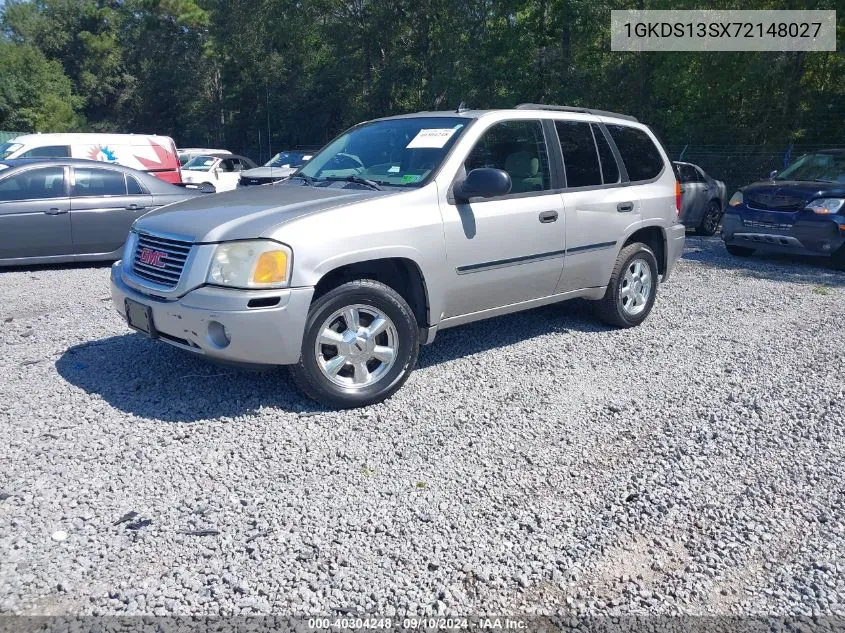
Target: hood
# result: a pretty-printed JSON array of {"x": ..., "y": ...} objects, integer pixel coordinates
[
  {"x": 268, "y": 172},
  {"x": 790, "y": 195},
  {"x": 246, "y": 213}
]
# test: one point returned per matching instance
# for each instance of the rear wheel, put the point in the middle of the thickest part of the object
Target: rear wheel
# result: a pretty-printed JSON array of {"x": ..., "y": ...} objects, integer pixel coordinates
[
  {"x": 739, "y": 251},
  {"x": 710, "y": 221},
  {"x": 360, "y": 345},
  {"x": 632, "y": 287}
]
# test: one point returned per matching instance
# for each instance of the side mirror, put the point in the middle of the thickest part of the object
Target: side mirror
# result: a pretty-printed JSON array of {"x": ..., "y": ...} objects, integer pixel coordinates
[
  {"x": 484, "y": 182},
  {"x": 216, "y": 172},
  {"x": 772, "y": 174}
]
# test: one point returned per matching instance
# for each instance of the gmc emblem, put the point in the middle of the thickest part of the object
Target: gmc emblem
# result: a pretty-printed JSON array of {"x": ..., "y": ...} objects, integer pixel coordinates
[{"x": 152, "y": 258}]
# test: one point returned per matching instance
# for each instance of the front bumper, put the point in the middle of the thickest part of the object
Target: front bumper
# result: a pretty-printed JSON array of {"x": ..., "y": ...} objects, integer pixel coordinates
[
  {"x": 804, "y": 237},
  {"x": 676, "y": 235},
  {"x": 260, "y": 335}
]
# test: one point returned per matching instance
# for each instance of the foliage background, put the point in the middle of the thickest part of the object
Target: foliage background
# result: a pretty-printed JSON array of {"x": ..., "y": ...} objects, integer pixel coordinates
[{"x": 257, "y": 76}]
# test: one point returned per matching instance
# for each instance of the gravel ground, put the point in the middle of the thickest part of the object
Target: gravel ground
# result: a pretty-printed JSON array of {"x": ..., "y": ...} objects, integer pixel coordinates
[{"x": 535, "y": 463}]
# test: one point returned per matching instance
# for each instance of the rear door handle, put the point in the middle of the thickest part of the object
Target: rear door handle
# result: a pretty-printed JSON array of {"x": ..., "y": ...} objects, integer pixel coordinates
[
  {"x": 135, "y": 207},
  {"x": 548, "y": 216},
  {"x": 55, "y": 211},
  {"x": 625, "y": 207}
]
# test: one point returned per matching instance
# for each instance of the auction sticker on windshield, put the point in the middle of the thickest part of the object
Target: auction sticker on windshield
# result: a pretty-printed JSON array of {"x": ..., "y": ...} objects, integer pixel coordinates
[{"x": 432, "y": 137}]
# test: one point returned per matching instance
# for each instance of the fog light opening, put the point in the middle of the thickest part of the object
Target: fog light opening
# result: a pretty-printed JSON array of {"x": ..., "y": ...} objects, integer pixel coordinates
[{"x": 218, "y": 334}]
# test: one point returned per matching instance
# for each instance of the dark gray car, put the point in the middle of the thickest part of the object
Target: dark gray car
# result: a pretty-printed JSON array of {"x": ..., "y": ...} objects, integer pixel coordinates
[
  {"x": 702, "y": 199},
  {"x": 67, "y": 210}
]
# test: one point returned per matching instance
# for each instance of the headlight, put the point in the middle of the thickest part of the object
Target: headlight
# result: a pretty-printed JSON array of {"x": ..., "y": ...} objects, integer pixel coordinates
[
  {"x": 825, "y": 206},
  {"x": 736, "y": 199},
  {"x": 253, "y": 264}
]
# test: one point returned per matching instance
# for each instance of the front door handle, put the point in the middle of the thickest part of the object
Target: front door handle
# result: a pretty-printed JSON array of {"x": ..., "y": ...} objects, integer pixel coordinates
[
  {"x": 55, "y": 211},
  {"x": 135, "y": 207},
  {"x": 548, "y": 216},
  {"x": 625, "y": 207}
]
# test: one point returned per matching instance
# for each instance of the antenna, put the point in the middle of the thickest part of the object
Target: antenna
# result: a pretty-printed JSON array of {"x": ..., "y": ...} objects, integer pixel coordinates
[{"x": 462, "y": 107}]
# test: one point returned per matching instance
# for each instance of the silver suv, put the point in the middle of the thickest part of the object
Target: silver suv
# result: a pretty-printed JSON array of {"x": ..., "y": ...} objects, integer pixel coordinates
[{"x": 404, "y": 226}]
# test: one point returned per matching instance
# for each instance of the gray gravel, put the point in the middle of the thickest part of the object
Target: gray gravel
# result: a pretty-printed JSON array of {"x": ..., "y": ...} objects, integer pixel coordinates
[{"x": 534, "y": 463}]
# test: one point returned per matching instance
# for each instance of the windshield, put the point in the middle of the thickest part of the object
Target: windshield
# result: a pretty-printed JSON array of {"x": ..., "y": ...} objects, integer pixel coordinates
[
  {"x": 201, "y": 163},
  {"x": 7, "y": 149},
  {"x": 288, "y": 159},
  {"x": 824, "y": 167},
  {"x": 394, "y": 152}
]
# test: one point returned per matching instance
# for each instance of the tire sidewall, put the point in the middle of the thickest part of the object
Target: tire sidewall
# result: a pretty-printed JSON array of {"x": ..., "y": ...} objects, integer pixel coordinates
[
  {"x": 712, "y": 210},
  {"x": 646, "y": 254},
  {"x": 407, "y": 344}
]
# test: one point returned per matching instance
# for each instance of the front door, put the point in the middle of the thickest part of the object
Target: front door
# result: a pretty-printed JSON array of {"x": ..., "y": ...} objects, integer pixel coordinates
[
  {"x": 34, "y": 219},
  {"x": 104, "y": 203},
  {"x": 509, "y": 249}
]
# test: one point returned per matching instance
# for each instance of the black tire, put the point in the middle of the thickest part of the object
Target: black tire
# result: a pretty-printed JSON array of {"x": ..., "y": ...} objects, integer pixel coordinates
[
  {"x": 739, "y": 251},
  {"x": 308, "y": 375},
  {"x": 710, "y": 222},
  {"x": 610, "y": 307},
  {"x": 838, "y": 259}
]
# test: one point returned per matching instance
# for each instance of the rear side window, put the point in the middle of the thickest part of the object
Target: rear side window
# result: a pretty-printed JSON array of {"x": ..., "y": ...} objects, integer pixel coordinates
[
  {"x": 687, "y": 173},
  {"x": 98, "y": 182},
  {"x": 609, "y": 168},
  {"x": 49, "y": 151},
  {"x": 34, "y": 184},
  {"x": 580, "y": 157},
  {"x": 517, "y": 147},
  {"x": 639, "y": 154}
]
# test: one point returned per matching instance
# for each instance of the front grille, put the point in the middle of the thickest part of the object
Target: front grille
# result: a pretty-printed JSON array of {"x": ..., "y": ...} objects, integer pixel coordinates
[
  {"x": 246, "y": 182},
  {"x": 175, "y": 254},
  {"x": 754, "y": 224},
  {"x": 775, "y": 203}
]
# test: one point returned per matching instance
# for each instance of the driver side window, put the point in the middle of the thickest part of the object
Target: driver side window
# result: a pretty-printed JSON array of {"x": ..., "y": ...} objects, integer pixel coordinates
[{"x": 517, "y": 147}]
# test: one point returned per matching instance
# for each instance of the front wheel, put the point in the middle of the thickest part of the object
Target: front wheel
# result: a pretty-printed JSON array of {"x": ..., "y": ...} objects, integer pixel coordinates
[
  {"x": 710, "y": 221},
  {"x": 632, "y": 287},
  {"x": 360, "y": 345}
]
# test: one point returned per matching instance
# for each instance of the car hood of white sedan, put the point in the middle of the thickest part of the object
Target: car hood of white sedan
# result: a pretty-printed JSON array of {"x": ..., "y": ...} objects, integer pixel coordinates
[{"x": 247, "y": 213}]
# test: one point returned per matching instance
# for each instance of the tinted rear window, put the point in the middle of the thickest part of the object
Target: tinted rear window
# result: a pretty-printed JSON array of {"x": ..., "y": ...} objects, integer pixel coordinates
[
  {"x": 639, "y": 153},
  {"x": 98, "y": 182},
  {"x": 609, "y": 168}
]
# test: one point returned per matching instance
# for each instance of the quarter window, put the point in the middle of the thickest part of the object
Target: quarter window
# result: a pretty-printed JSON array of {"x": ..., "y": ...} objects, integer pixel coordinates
[
  {"x": 580, "y": 157},
  {"x": 98, "y": 182},
  {"x": 517, "y": 147},
  {"x": 133, "y": 186},
  {"x": 639, "y": 153},
  {"x": 34, "y": 184},
  {"x": 609, "y": 168}
]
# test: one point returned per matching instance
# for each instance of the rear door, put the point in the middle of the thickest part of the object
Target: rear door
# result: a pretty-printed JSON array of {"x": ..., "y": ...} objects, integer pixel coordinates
[
  {"x": 600, "y": 206},
  {"x": 228, "y": 172},
  {"x": 103, "y": 205},
  {"x": 34, "y": 219}
]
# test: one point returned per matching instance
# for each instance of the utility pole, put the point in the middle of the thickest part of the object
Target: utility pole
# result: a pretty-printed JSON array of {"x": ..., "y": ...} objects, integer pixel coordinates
[{"x": 269, "y": 142}]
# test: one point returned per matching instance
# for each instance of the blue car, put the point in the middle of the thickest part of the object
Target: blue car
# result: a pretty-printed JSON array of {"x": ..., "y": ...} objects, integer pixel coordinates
[{"x": 799, "y": 210}]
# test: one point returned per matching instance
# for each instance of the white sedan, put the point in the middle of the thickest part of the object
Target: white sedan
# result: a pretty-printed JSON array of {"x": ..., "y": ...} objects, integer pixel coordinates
[{"x": 221, "y": 171}]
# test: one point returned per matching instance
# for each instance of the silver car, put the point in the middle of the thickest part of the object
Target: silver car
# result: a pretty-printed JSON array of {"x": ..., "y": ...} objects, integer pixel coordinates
[
  {"x": 73, "y": 210},
  {"x": 703, "y": 199},
  {"x": 404, "y": 226}
]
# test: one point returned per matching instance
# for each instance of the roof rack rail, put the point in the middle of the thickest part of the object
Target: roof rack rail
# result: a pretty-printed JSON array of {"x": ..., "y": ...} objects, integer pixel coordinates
[{"x": 543, "y": 106}]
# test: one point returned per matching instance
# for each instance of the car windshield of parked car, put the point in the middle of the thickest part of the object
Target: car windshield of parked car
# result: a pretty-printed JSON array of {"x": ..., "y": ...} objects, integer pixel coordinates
[
  {"x": 822, "y": 167},
  {"x": 288, "y": 159},
  {"x": 201, "y": 163},
  {"x": 393, "y": 152},
  {"x": 7, "y": 149}
]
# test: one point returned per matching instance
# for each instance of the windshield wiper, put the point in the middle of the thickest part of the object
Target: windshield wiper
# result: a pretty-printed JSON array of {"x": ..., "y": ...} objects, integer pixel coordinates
[
  {"x": 372, "y": 184},
  {"x": 308, "y": 179}
]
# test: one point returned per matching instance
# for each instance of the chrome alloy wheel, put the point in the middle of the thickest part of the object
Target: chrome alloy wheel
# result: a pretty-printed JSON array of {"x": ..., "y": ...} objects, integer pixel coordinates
[
  {"x": 356, "y": 346},
  {"x": 636, "y": 286}
]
